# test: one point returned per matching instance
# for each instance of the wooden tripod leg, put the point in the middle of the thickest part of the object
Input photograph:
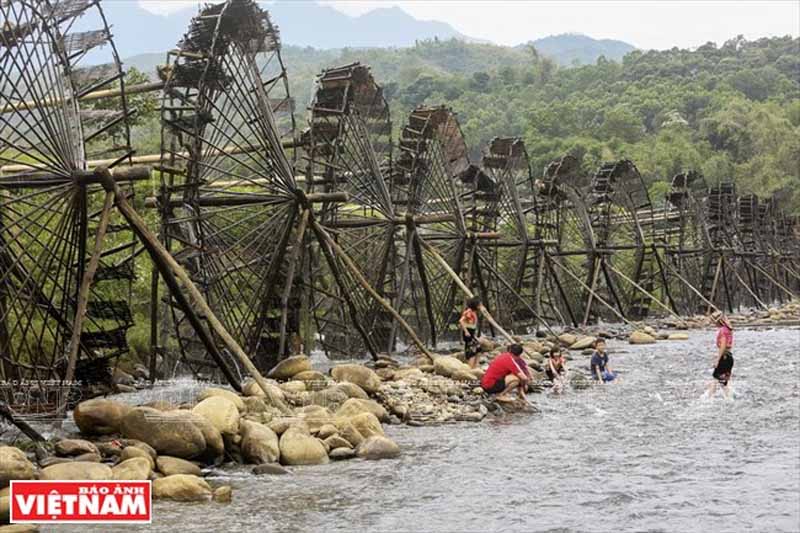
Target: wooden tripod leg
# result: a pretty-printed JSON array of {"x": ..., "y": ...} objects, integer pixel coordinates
[
  {"x": 320, "y": 231},
  {"x": 83, "y": 299},
  {"x": 169, "y": 268},
  {"x": 287, "y": 288},
  {"x": 460, "y": 284}
]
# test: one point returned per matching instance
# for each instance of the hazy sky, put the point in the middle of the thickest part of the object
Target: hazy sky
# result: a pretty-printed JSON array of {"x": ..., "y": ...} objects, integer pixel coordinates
[{"x": 645, "y": 23}]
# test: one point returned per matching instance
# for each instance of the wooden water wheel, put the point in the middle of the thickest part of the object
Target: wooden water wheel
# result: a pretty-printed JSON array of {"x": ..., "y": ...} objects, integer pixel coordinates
[{"x": 62, "y": 102}]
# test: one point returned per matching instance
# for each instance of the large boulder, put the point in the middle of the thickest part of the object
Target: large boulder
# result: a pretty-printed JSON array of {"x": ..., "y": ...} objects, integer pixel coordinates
[
  {"x": 293, "y": 387},
  {"x": 99, "y": 416},
  {"x": 259, "y": 443},
  {"x": 567, "y": 339},
  {"x": 678, "y": 337},
  {"x": 335, "y": 441},
  {"x": 252, "y": 388},
  {"x": 77, "y": 470},
  {"x": 315, "y": 417},
  {"x": 331, "y": 396},
  {"x": 349, "y": 432},
  {"x": 582, "y": 343},
  {"x": 360, "y": 375},
  {"x": 215, "y": 446},
  {"x": 223, "y": 494},
  {"x": 223, "y": 393},
  {"x": 326, "y": 431},
  {"x": 366, "y": 424},
  {"x": 169, "y": 466},
  {"x": 352, "y": 390},
  {"x": 339, "y": 454},
  {"x": 272, "y": 469},
  {"x": 640, "y": 337},
  {"x": 5, "y": 506},
  {"x": 314, "y": 376},
  {"x": 300, "y": 448},
  {"x": 355, "y": 406},
  {"x": 135, "y": 469},
  {"x": 221, "y": 412},
  {"x": 73, "y": 447},
  {"x": 448, "y": 367},
  {"x": 136, "y": 452},
  {"x": 378, "y": 447},
  {"x": 182, "y": 488},
  {"x": 14, "y": 465},
  {"x": 169, "y": 433},
  {"x": 408, "y": 373},
  {"x": 19, "y": 528},
  {"x": 290, "y": 366}
]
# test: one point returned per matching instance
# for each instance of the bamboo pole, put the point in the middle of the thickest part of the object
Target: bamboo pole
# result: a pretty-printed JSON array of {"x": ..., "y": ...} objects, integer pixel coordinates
[
  {"x": 773, "y": 280},
  {"x": 595, "y": 295},
  {"x": 351, "y": 266},
  {"x": 156, "y": 249},
  {"x": 83, "y": 298},
  {"x": 468, "y": 293},
  {"x": 692, "y": 288},
  {"x": 640, "y": 288},
  {"x": 287, "y": 289},
  {"x": 516, "y": 294},
  {"x": 748, "y": 289},
  {"x": 95, "y": 95},
  {"x": 716, "y": 282},
  {"x": 596, "y": 274}
]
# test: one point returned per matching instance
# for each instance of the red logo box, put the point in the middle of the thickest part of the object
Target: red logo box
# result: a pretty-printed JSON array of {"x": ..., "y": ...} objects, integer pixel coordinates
[{"x": 81, "y": 502}]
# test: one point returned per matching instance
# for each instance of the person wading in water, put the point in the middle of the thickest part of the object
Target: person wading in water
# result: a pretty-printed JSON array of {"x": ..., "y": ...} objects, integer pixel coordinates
[
  {"x": 468, "y": 323},
  {"x": 555, "y": 369},
  {"x": 601, "y": 372},
  {"x": 723, "y": 368}
]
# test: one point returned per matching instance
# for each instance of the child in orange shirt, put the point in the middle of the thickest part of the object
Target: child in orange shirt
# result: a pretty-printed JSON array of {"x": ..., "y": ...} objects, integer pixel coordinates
[{"x": 469, "y": 331}]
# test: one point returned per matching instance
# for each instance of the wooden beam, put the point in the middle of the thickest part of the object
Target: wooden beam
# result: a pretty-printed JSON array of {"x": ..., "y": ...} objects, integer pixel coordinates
[
  {"x": 351, "y": 266},
  {"x": 169, "y": 267},
  {"x": 468, "y": 293},
  {"x": 287, "y": 288},
  {"x": 83, "y": 297}
]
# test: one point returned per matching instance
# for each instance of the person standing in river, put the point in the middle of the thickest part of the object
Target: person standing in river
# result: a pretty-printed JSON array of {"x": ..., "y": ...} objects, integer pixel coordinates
[
  {"x": 723, "y": 368},
  {"x": 601, "y": 372},
  {"x": 468, "y": 323}
]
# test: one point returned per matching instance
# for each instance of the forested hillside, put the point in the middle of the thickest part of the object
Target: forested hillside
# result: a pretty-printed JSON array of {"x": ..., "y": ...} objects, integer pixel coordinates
[{"x": 731, "y": 110}]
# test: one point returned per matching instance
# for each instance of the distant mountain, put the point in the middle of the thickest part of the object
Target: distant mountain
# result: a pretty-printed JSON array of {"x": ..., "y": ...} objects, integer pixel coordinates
[
  {"x": 138, "y": 31},
  {"x": 570, "y": 49}
]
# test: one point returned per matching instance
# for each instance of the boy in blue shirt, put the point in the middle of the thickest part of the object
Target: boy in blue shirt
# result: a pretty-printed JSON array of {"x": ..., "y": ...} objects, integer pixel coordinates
[{"x": 601, "y": 372}]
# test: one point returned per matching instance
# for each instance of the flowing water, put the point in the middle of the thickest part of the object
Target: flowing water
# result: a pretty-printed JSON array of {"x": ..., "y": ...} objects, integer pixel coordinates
[{"x": 646, "y": 453}]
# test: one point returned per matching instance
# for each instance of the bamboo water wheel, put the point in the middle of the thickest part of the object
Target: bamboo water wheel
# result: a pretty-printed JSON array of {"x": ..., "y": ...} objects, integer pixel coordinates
[
  {"x": 62, "y": 102},
  {"x": 349, "y": 149}
]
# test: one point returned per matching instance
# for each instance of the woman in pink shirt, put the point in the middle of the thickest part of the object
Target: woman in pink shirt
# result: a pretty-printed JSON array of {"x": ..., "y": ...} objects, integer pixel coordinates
[{"x": 724, "y": 365}]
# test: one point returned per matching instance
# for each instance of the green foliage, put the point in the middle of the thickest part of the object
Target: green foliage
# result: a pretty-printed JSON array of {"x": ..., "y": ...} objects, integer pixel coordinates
[{"x": 732, "y": 111}]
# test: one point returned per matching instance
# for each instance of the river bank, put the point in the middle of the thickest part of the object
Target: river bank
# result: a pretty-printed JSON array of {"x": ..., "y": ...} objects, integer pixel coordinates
[
  {"x": 646, "y": 454},
  {"x": 398, "y": 395}
]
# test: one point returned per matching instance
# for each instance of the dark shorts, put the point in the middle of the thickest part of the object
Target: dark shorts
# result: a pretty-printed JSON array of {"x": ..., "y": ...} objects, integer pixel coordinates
[
  {"x": 722, "y": 372},
  {"x": 471, "y": 345},
  {"x": 498, "y": 387},
  {"x": 550, "y": 375}
]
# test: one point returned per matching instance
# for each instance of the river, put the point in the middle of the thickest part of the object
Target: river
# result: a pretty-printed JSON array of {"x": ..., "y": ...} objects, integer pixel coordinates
[{"x": 644, "y": 454}]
